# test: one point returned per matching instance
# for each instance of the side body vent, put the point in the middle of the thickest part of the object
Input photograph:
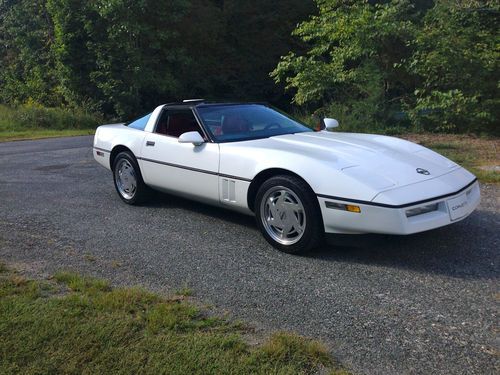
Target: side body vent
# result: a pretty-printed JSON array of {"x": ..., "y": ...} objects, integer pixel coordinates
[{"x": 228, "y": 190}]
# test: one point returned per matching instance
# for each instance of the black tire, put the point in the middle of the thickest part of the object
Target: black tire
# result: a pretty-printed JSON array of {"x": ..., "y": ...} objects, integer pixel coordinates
[
  {"x": 293, "y": 189},
  {"x": 141, "y": 191}
]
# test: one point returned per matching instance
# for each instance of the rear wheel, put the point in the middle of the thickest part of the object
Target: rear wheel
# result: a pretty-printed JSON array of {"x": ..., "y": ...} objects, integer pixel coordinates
[
  {"x": 128, "y": 179},
  {"x": 288, "y": 214}
]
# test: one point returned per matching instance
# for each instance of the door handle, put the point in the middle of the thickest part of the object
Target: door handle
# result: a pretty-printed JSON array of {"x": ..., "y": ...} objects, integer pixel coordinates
[{"x": 150, "y": 143}]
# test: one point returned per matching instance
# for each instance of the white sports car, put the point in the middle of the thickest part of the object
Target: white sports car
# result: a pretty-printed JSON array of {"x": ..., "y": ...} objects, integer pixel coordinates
[{"x": 299, "y": 183}]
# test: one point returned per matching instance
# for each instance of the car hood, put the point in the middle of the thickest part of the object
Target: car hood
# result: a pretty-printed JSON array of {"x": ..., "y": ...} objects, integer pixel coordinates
[{"x": 386, "y": 162}]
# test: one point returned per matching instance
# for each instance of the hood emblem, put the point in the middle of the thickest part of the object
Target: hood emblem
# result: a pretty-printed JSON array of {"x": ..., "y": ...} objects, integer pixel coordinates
[{"x": 423, "y": 171}]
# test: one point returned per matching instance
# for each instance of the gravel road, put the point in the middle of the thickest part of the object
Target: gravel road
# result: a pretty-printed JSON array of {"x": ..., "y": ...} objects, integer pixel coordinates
[{"x": 421, "y": 304}]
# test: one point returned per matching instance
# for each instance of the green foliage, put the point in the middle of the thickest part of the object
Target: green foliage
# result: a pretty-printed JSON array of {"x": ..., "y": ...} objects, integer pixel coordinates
[
  {"x": 123, "y": 57},
  {"x": 116, "y": 54},
  {"x": 395, "y": 65},
  {"x": 447, "y": 111},
  {"x": 351, "y": 65},
  {"x": 456, "y": 60},
  {"x": 26, "y": 59},
  {"x": 378, "y": 65}
]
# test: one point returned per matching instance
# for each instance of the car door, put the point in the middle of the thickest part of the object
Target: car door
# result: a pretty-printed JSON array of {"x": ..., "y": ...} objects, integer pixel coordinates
[{"x": 180, "y": 168}]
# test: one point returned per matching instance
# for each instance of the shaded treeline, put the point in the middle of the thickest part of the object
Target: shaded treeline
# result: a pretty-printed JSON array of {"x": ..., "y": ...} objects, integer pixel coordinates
[
  {"x": 377, "y": 65},
  {"x": 122, "y": 57}
]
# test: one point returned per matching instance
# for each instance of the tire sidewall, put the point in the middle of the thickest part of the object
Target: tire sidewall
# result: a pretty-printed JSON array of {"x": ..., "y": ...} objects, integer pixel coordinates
[
  {"x": 313, "y": 232},
  {"x": 140, "y": 183}
]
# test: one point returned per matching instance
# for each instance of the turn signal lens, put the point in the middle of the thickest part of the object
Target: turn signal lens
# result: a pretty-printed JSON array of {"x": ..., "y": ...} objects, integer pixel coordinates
[
  {"x": 352, "y": 208},
  {"x": 343, "y": 207}
]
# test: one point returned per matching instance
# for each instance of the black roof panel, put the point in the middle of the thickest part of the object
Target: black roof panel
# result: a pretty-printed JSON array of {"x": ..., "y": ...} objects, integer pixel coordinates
[{"x": 203, "y": 103}]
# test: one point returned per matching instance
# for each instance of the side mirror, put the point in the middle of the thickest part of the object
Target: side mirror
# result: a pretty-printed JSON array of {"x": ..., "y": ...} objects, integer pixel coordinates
[
  {"x": 191, "y": 137},
  {"x": 329, "y": 123}
]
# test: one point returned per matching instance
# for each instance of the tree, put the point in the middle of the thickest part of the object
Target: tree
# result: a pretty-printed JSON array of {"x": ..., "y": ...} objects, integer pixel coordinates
[
  {"x": 26, "y": 61},
  {"x": 123, "y": 57},
  {"x": 352, "y": 66},
  {"x": 456, "y": 61},
  {"x": 120, "y": 55},
  {"x": 374, "y": 64}
]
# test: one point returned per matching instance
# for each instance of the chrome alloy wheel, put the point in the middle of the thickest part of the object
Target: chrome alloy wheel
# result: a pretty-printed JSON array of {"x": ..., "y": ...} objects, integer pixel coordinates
[
  {"x": 125, "y": 178},
  {"x": 283, "y": 215}
]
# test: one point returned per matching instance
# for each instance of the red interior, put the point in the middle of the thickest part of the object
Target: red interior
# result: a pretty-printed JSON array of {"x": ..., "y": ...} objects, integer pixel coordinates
[
  {"x": 234, "y": 123},
  {"x": 177, "y": 124}
]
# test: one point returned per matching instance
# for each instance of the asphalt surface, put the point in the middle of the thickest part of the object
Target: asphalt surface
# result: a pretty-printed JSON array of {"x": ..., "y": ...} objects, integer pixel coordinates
[{"x": 421, "y": 304}]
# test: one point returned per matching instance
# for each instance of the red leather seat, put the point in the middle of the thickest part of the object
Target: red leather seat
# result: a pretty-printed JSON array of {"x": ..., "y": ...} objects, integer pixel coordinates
[
  {"x": 181, "y": 123},
  {"x": 234, "y": 123}
]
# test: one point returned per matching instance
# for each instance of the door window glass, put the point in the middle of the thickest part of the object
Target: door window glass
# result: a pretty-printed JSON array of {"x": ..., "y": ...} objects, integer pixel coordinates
[{"x": 176, "y": 122}]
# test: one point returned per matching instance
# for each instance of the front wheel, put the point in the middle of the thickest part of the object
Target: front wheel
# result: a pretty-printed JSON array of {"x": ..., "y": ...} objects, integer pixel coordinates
[
  {"x": 288, "y": 214},
  {"x": 128, "y": 179}
]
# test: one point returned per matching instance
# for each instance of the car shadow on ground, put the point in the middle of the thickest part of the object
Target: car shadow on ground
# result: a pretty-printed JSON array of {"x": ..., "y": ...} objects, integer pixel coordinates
[
  {"x": 164, "y": 200},
  {"x": 467, "y": 249}
]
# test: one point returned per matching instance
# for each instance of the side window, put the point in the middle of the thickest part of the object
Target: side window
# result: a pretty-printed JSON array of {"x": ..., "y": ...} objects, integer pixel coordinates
[
  {"x": 176, "y": 122},
  {"x": 139, "y": 123}
]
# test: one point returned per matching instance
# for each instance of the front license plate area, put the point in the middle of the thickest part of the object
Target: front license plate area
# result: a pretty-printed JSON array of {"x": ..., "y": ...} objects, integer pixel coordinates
[{"x": 458, "y": 207}]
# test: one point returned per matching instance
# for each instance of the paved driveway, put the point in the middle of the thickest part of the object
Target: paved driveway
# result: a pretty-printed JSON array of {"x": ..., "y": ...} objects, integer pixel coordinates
[{"x": 425, "y": 303}]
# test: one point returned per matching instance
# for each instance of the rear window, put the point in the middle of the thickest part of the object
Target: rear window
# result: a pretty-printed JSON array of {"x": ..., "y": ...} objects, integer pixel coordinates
[{"x": 139, "y": 123}]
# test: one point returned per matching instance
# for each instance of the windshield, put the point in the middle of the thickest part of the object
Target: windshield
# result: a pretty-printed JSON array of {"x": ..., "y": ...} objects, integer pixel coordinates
[{"x": 230, "y": 123}]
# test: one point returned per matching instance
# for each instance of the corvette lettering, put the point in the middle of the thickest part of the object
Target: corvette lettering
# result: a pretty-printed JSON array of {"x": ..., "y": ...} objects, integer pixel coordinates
[{"x": 459, "y": 206}]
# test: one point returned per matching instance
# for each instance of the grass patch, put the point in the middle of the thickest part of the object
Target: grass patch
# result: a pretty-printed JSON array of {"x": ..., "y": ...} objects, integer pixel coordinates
[
  {"x": 31, "y": 121},
  {"x": 185, "y": 291},
  {"x": 76, "y": 324},
  {"x": 478, "y": 155}
]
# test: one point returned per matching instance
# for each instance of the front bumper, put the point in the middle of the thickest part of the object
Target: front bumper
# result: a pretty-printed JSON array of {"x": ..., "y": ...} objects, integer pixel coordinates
[{"x": 393, "y": 220}]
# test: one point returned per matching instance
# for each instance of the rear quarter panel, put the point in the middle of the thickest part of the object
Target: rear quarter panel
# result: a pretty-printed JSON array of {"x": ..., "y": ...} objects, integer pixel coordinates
[{"x": 107, "y": 137}]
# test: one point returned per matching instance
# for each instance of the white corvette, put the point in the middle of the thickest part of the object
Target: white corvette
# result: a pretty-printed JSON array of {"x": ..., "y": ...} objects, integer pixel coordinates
[{"x": 299, "y": 183}]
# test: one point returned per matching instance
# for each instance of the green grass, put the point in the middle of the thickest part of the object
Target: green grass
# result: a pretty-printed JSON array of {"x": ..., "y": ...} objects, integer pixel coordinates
[
  {"x": 30, "y": 121},
  {"x": 42, "y": 133},
  {"x": 76, "y": 324},
  {"x": 184, "y": 291}
]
